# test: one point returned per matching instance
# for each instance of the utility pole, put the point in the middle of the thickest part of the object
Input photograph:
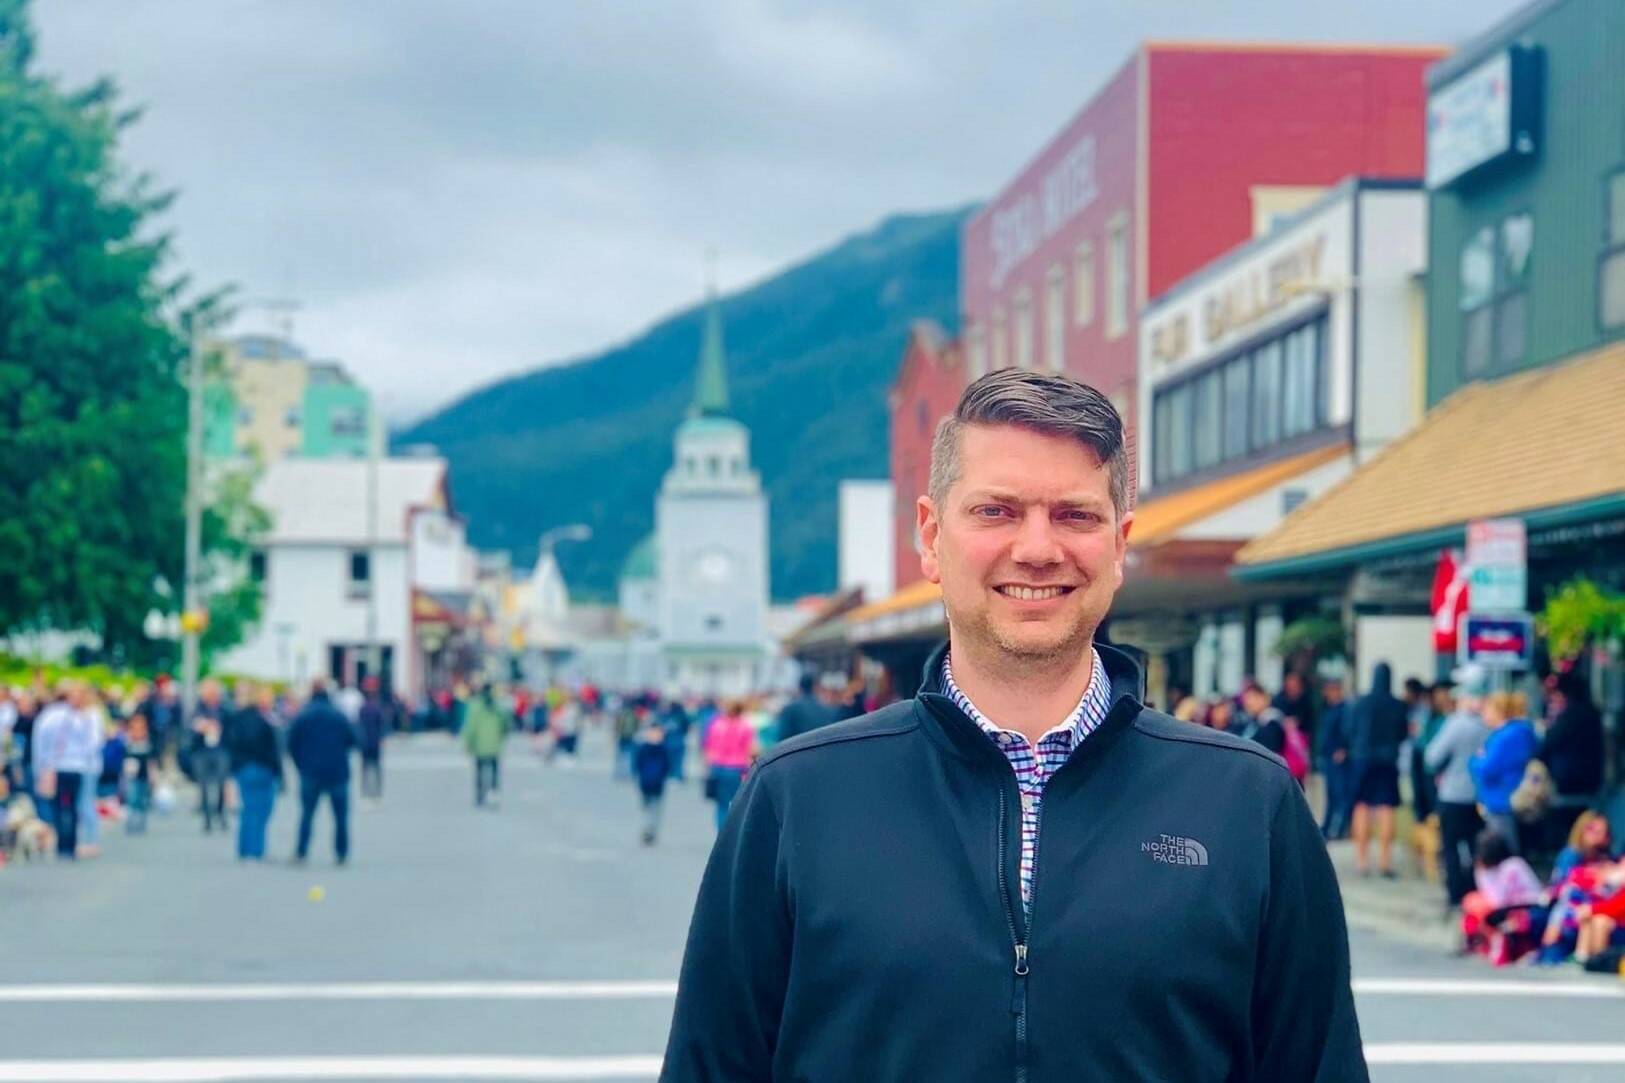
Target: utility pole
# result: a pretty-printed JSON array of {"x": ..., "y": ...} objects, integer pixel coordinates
[
  {"x": 191, "y": 600},
  {"x": 374, "y": 450}
]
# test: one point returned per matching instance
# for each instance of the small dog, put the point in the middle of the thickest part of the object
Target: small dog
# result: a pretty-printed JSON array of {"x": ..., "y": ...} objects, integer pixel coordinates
[{"x": 36, "y": 839}]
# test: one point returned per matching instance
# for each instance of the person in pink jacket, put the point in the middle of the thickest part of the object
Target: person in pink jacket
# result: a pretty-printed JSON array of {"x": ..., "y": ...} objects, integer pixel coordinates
[{"x": 730, "y": 746}]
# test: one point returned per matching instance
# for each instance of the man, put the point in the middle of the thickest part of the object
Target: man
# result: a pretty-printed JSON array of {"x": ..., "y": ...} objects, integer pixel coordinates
[
  {"x": 805, "y": 713},
  {"x": 1335, "y": 761},
  {"x": 67, "y": 756},
  {"x": 1378, "y": 728},
  {"x": 1447, "y": 758},
  {"x": 1264, "y": 719},
  {"x": 319, "y": 743},
  {"x": 208, "y": 758},
  {"x": 1294, "y": 701},
  {"x": 883, "y": 904},
  {"x": 375, "y": 722}
]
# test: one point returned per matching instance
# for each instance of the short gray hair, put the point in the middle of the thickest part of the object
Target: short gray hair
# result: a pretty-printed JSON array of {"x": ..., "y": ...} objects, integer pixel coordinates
[{"x": 1043, "y": 402}]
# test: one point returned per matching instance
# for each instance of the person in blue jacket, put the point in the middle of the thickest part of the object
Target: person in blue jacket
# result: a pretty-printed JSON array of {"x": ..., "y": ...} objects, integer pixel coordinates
[{"x": 1499, "y": 766}]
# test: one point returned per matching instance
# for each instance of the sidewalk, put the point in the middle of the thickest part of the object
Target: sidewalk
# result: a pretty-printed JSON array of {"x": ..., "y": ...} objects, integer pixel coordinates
[{"x": 1408, "y": 908}]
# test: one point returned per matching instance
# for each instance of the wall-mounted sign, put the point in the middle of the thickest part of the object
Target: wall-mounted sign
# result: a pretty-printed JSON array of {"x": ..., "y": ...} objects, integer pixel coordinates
[
  {"x": 1506, "y": 642},
  {"x": 1487, "y": 114},
  {"x": 1245, "y": 300},
  {"x": 1497, "y": 566},
  {"x": 1066, "y": 191}
]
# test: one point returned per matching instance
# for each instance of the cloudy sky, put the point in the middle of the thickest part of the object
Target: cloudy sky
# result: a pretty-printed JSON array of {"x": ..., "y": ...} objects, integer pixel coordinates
[{"x": 454, "y": 191}]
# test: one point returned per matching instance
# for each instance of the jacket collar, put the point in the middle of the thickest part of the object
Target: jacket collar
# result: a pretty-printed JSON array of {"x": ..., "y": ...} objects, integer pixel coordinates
[{"x": 963, "y": 736}]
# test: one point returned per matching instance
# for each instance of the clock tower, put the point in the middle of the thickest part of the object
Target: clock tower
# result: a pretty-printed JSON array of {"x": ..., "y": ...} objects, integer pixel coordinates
[{"x": 711, "y": 524}]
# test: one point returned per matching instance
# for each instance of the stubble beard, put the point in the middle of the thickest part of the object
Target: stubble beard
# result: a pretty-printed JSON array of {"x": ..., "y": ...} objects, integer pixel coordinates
[{"x": 982, "y": 637}]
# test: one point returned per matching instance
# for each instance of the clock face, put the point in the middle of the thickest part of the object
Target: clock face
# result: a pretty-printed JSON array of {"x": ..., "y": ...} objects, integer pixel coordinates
[{"x": 714, "y": 567}]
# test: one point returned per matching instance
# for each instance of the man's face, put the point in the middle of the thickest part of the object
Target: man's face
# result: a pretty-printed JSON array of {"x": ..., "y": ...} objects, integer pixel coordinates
[
  {"x": 1027, "y": 546},
  {"x": 1255, "y": 700}
]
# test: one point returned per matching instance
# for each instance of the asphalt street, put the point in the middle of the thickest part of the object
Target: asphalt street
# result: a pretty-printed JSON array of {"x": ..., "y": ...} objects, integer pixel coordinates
[{"x": 537, "y": 940}]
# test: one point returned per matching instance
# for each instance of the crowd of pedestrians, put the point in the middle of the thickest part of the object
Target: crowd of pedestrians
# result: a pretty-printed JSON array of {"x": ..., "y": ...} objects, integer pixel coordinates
[
  {"x": 1503, "y": 789},
  {"x": 76, "y": 757}
]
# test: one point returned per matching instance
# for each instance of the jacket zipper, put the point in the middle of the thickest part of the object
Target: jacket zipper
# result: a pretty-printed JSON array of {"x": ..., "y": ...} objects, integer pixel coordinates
[{"x": 1018, "y": 997}]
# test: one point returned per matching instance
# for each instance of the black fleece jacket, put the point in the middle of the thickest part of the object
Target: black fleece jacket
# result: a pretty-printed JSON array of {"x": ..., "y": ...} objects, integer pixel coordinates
[{"x": 860, "y": 917}]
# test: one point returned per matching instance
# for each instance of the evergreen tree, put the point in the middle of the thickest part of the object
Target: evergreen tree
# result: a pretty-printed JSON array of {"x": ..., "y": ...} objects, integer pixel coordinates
[{"x": 92, "y": 402}]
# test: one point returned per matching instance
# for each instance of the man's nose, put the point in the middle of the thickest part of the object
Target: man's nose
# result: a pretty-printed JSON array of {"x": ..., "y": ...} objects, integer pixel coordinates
[{"x": 1036, "y": 542}]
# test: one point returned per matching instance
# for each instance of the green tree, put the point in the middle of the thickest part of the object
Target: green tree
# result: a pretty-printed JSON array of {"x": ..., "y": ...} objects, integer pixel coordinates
[{"x": 92, "y": 406}]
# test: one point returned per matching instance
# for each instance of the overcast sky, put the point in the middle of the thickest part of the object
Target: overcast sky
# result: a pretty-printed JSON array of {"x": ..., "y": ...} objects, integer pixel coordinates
[{"x": 455, "y": 191}]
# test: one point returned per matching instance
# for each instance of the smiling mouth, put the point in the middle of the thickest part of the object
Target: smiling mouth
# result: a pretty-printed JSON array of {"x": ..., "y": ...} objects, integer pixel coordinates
[{"x": 1032, "y": 594}]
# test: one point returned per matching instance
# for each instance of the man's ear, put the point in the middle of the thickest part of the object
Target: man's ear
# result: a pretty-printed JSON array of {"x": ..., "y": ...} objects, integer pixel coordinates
[{"x": 929, "y": 528}]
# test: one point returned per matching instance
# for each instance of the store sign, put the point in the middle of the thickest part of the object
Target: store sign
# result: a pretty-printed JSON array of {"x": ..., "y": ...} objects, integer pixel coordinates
[
  {"x": 1026, "y": 222},
  {"x": 1505, "y": 642},
  {"x": 1497, "y": 566},
  {"x": 1261, "y": 291},
  {"x": 1485, "y": 115}
]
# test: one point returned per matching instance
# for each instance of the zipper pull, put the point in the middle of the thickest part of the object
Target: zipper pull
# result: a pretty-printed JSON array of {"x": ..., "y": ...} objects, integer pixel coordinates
[{"x": 1021, "y": 960}]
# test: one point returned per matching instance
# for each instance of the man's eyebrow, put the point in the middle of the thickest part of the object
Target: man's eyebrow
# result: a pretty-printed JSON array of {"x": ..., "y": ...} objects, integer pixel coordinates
[{"x": 1002, "y": 496}]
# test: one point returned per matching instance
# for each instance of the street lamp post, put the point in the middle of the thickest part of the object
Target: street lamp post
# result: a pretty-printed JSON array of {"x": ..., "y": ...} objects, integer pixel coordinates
[{"x": 191, "y": 600}]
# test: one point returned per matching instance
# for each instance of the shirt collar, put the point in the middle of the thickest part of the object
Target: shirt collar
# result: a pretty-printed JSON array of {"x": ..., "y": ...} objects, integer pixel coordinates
[{"x": 1085, "y": 717}]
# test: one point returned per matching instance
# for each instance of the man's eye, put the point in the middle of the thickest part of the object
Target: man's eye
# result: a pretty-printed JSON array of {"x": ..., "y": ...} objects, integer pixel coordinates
[{"x": 989, "y": 511}]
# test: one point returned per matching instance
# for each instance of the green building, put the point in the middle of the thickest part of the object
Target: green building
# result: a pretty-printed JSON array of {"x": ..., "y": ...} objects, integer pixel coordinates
[
  {"x": 1525, "y": 369},
  {"x": 335, "y": 415},
  {"x": 1526, "y": 164}
]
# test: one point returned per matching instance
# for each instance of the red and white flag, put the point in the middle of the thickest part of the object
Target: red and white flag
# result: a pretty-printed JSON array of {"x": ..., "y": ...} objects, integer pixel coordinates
[{"x": 1449, "y": 600}]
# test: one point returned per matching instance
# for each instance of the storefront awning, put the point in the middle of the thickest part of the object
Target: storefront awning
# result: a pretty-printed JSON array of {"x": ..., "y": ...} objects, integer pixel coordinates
[
  {"x": 1544, "y": 446},
  {"x": 914, "y": 610},
  {"x": 1160, "y": 520}
]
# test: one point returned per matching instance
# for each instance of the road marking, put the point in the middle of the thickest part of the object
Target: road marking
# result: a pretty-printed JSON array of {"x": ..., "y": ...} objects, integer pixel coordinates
[
  {"x": 232, "y": 1069},
  {"x": 1490, "y": 1053},
  {"x": 1448, "y": 987},
  {"x": 380, "y": 990}
]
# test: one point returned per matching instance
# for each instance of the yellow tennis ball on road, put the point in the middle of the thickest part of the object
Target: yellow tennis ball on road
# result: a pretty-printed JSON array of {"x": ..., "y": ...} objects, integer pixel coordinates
[{"x": 317, "y": 893}]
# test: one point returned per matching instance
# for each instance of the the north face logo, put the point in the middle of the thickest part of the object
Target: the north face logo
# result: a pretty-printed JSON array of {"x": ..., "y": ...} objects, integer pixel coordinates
[{"x": 1175, "y": 850}]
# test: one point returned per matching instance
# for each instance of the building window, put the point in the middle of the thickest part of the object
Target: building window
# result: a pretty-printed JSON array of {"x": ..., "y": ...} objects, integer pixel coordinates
[
  {"x": 713, "y": 466},
  {"x": 1055, "y": 320},
  {"x": 1083, "y": 285},
  {"x": 1266, "y": 395},
  {"x": 349, "y": 421},
  {"x": 713, "y": 623},
  {"x": 293, "y": 418},
  {"x": 1237, "y": 383},
  {"x": 1247, "y": 403},
  {"x": 1611, "y": 275},
  {"x": 1494, "y": 298},
  {"x": 1001, "y": 344},
  {"x": 1298, "y": 406},
  {"x": 977, "y": 339},
  {"x": 1024, "y": 328},
  {"x": 257, "y": 565},
  {"x": 360, "y": 573},
  {"x": 1117, "y": 277},
  {"x": 1208, "y": 421}
]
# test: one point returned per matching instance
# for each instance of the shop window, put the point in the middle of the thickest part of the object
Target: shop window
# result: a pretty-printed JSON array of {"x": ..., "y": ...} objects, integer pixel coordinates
[
  {"x": 1179, "y": 431},
  {"x": 1209, "y": 421},
  {"x": 1024, "y": 328},
  {"x": 1266, "y": 412},
  {"x": 1117, "y": 277},
  {"x": 1161, "y": 431},
  {"x": 1001, "y": 357},
  {"x": 1083, "y": 285},
  {"x": 1055, "y": 319},
  {"x": 1236, "y": 388},
  {"x": 1477, "y": 290},
  {"x": 1611, "y": 273},
  {"x": 1298, "y": 385}
]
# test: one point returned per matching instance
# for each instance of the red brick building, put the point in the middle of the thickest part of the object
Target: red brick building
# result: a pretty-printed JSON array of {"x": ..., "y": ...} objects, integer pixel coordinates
[
  {"x": 1186, "y": 152},
  {"x": 928, "y": 385}
]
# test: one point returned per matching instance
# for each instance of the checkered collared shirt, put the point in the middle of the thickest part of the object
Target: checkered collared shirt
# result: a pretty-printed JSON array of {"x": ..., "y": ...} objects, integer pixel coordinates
[{"x": 1034, "y": 766}]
